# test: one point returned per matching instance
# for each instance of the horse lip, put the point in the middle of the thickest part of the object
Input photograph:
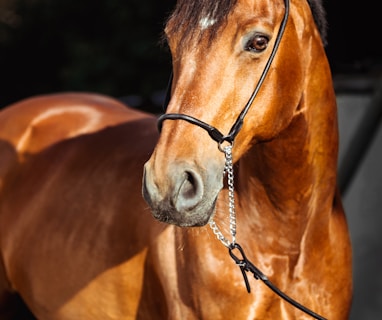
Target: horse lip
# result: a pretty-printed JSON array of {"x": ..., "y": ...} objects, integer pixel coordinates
[{"x": 195, "y": 218}]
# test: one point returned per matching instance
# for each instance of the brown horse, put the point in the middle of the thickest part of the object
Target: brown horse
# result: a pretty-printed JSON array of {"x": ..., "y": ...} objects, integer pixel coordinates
[
  {"x": 77, "y": 239},
  {"x": 283, "y": 137},
  {"x": 75, "y": 232}
]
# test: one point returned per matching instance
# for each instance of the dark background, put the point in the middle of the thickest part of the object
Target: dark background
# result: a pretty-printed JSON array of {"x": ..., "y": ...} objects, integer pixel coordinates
[
  {"x": 112, "y": 46},
  {"x": 354, "y": 30}
]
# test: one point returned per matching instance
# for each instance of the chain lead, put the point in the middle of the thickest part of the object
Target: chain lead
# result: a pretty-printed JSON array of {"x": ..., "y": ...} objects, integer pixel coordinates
[{"x": 228, "y": 169}]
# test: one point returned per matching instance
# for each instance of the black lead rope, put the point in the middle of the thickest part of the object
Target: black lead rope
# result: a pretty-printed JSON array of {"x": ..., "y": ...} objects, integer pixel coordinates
[{"x": 247, "y": 266}]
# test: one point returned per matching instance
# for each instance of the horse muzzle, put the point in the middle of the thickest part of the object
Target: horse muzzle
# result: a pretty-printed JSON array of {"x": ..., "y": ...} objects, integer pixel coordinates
[{"x": 184, "y": 196}]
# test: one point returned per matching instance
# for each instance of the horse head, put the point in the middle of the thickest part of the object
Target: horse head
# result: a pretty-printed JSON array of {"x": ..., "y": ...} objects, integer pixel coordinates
[{"x": 219, "y": 54}]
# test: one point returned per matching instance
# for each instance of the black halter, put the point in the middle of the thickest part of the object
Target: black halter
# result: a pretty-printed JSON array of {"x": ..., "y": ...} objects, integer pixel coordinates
[{"x": 212, "y": 131}]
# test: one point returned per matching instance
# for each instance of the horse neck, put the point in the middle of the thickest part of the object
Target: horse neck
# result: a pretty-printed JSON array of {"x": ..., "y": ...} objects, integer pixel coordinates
[{"x": 290, "y": 181}]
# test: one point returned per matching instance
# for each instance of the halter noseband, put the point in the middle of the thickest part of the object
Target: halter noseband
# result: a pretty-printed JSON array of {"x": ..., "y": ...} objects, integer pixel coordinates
[{"x": 214, "y": 133}]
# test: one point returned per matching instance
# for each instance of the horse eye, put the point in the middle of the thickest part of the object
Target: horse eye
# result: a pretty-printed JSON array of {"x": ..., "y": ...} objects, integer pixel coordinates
[{"x": 257, "y": 43}]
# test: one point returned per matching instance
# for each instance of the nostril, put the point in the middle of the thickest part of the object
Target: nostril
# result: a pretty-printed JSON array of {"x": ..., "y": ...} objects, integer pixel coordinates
[
  {"x": 188, "y": 187},
  {"x": 190, "y": 191}
]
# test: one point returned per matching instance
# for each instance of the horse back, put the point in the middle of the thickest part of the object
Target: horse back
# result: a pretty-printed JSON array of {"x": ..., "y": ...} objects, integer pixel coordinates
[{"x": 35, "y": 123}]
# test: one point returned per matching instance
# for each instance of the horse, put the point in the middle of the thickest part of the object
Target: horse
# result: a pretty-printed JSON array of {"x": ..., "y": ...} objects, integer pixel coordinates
[
  {"x": 72, "y": 218},
  {"x": 248, "y": 146},
  {"x": 103, "y": 217}
]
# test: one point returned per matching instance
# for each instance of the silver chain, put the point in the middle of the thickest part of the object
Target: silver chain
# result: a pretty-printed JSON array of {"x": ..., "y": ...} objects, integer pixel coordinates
[{"x": 228, "y": 170}]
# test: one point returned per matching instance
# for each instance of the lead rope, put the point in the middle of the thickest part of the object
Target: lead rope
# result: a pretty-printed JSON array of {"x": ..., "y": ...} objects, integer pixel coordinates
[{"x": 243, "y": 262}]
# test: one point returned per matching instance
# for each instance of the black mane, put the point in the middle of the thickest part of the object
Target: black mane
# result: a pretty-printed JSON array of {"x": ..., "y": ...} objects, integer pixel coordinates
[{"x": 188, "y": 13}]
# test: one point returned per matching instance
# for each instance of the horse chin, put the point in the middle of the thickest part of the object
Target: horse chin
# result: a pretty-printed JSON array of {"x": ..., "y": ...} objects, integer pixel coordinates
[{"x": 198, "y": 217}]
